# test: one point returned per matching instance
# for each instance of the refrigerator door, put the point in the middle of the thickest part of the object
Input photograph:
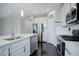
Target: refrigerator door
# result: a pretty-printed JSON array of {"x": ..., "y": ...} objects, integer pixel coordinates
[
  {"x": 35, "y": 28},
  {"x": 40, "y": 32},
  {"x": 39, "y": 29}
]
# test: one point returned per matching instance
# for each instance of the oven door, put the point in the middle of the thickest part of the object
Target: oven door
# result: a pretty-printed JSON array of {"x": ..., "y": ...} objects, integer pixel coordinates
[{"x": 61, "y": 48}]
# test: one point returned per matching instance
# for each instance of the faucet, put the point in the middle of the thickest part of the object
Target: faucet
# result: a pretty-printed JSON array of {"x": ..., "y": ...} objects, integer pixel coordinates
[{"x": 12, "y": 32}]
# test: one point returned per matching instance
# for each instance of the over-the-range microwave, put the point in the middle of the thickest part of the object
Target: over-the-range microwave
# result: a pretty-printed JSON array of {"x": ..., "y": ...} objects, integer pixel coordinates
[{"x": 73, "y": 15}]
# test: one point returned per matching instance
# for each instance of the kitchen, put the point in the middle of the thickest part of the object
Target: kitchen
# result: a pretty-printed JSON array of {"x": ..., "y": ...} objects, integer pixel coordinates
[{"x": 36, "y": 29}]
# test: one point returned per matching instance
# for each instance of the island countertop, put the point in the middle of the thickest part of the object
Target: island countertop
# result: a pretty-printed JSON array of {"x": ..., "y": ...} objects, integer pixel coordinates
[{"x": 4, "y": 42}]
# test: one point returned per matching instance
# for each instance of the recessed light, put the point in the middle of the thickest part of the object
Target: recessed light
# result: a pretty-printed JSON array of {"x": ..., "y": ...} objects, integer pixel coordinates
[{"x": 22, "y": 13}]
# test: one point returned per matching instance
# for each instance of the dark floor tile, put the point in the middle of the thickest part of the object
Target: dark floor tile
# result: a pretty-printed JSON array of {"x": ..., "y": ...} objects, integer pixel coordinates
[{"x": 46, "y": 49}]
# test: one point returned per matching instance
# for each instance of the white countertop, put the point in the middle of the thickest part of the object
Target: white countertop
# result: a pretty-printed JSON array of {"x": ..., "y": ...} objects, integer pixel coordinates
[
  {"x": 60, "y": 38},
  {"x": 5, "y": 42}
]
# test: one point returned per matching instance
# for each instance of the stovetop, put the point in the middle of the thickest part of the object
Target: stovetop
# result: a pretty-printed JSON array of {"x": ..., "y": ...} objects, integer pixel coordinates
[
  {"x": 73, "y": 37},
  {"x": 70, "y": 38}
]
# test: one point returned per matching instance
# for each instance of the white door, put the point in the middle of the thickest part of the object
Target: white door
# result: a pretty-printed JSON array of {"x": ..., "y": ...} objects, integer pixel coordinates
[{"x": 52, "y": 30}]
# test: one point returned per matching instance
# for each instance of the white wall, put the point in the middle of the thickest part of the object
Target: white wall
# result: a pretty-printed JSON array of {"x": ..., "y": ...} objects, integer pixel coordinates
[
  {"x": 11, "y": 15},
  {"x": 52, "y": 38},
  {"x": 19, "y": 25},
  {"x": 26, "y": 25},
  {"x": 1, "y": 25},
  {"x": 8, "y": 22}
]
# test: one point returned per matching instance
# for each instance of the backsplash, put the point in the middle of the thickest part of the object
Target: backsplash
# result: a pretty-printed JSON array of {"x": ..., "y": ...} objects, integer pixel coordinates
[{"x": 66, "y": 30}]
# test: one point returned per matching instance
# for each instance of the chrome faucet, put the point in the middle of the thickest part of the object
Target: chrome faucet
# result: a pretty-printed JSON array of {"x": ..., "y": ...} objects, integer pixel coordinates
[{"x": 12, "y": 34}]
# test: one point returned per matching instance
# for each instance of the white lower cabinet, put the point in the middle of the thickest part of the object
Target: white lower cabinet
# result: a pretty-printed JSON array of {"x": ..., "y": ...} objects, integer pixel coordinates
[
  {"x": 18, "y": 48},
  {"x": 18, "y": 52},
  {"x": 4, "y": 51},
  {"x": 27, "y": 47},
  {"x": 73, "y": 48},
  {"x": 67, "y": 52},
  {"x": 33, "y": 44},
  {"x": 21, "y": 48}
]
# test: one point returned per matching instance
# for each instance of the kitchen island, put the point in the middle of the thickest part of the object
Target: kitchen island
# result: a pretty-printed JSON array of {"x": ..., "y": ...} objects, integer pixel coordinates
[{"x": 19, "y": 46}]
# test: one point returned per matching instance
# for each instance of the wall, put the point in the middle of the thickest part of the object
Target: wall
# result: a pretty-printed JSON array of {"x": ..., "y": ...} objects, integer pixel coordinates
[
  {"x": 8, "y": 22},
  {"x": 52, "y": 38},
  {"x": 26, "y": 25},
  {"x": 19, "y": 25},
  {"x": 1, "y": 25},
  {"x": 9, "y": 17}
]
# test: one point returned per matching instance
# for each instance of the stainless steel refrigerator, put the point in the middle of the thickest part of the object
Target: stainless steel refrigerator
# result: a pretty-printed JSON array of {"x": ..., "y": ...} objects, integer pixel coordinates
[{"x": 39, "y": 29}]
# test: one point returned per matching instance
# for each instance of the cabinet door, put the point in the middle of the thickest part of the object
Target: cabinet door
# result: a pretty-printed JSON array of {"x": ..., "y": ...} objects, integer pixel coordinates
[
  {"x": 73, "y": 48},
  {"x": 17, "y": 48},
  {"x": 4, "y": 51},
  {"x": 18, "y": 52},
  {"x": 27, "y": 47},
  {"x": 34, "y": 43}
]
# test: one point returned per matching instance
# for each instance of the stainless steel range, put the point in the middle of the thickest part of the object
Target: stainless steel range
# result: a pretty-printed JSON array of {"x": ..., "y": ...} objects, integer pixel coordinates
[{"x": 61, "y": 45}]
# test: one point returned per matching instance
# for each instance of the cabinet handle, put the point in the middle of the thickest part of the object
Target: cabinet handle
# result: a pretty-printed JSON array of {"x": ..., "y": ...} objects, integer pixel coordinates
[
  {"x": 24, "y": 49},
  {"x": 9, "y": 51}
]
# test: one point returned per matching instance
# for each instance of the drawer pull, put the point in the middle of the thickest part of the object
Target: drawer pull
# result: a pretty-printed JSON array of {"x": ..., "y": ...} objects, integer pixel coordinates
[
  {"x": 9, "y": 52},
  {"x": 24, "y": 49}
]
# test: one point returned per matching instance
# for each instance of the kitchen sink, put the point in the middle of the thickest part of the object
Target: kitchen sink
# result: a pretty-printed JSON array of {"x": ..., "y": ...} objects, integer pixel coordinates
[
  {"x": 70, "y": 38},
  {"x": 18, "y": 37},
  {"x": 13, "y": 38}
]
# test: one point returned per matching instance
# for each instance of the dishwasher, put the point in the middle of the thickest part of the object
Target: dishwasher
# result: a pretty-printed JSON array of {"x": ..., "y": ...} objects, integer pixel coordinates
[{"x": 33, "y": 44}]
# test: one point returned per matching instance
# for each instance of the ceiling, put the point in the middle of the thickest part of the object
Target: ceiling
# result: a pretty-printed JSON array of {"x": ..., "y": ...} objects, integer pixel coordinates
[{"x": 31, "y": 9}]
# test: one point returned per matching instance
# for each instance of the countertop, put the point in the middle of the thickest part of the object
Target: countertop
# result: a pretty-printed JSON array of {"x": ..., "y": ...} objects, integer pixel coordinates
[
  {"x": 6, "y": 42},
  {"x": 61, "y": 39}
]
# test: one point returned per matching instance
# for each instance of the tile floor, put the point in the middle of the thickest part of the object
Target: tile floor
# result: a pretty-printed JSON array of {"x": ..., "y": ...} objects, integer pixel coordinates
[{"x": 46, "y": 49}]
